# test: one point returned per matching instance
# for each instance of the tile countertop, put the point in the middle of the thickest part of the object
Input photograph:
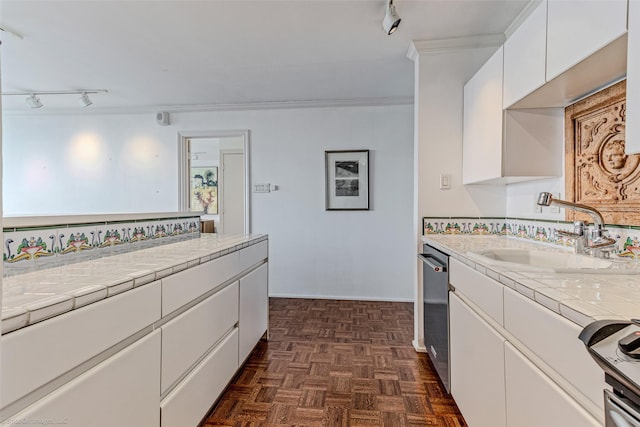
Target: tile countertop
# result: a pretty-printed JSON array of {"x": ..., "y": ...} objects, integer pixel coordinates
[
  {"x": 35, "y": 296},
  {"x": 581, "y": 298}
]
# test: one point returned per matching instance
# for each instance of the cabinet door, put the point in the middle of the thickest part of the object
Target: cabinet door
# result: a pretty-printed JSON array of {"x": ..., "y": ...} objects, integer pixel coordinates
[
  {"x": 477, "y": 366},
  {"x": 525, "y": 56},
  {"x": 482, "y": 125},
  {"x": 254, "y": 309},
  {"x": 632, "y": 129},
  {"x": 579, "y": 28},
  {"x": 122, "y": 391},
  {"x": 533, "y": 400}
]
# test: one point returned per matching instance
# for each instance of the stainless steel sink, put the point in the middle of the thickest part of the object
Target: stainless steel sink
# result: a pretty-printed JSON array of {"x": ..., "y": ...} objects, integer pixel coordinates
[{"x": 559, "y": 262}]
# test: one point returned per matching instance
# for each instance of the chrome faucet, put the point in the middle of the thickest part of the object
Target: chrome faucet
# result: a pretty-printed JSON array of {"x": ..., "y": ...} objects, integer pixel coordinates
[{"x": 593, "y": 239}]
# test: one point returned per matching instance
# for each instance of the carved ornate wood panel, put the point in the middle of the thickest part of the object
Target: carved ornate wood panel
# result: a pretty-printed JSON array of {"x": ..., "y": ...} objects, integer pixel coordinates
[{"x": 597, "y": 171}]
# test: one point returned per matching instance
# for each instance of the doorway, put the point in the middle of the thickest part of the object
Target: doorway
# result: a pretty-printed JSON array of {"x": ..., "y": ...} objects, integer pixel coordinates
[{"x": 214, "y": 178}]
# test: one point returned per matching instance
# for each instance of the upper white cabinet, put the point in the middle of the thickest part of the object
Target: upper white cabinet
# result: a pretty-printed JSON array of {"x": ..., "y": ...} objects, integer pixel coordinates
[
  {"x": 506, "y": 146},
  {"x": 525, "y": 57},
  {"x": 632, "y": 130},
  {"x": 578, "y": 28},
  {"x": 482, "y": 124}
]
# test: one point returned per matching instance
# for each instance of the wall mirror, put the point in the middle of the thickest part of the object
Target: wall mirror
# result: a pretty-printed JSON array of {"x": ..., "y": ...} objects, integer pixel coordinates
[{"x": 214, "y": 177}]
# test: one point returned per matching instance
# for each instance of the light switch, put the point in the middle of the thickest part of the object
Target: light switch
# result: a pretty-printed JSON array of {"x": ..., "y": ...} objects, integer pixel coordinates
[
  {"x": 445, "y": 181},
  {"x": 261, "y": 188}
]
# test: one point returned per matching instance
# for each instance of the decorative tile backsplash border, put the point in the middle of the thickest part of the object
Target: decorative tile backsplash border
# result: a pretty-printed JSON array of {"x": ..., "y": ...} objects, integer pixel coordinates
[
  {"x": 543, "y": 231},
  {"x": 36, "y": 248}
]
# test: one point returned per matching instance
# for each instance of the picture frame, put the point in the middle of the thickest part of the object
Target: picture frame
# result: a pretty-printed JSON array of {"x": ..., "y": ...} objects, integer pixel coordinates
[
  {"x": 346, "y": 180},
  {"x": 204, "y": 189}
]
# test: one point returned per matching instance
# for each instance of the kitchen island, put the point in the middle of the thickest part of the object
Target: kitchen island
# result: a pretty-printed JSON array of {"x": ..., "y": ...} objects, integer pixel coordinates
[
  {"x": 514, "y": 334},
  {"x": 141, "y": 338}
]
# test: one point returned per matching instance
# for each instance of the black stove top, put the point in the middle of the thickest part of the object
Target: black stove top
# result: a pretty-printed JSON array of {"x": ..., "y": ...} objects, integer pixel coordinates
[{"x": 615, "y": 346}]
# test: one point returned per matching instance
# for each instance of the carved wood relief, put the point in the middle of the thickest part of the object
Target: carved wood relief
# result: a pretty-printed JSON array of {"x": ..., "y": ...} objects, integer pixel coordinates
[{"x": 598, "y": 173}]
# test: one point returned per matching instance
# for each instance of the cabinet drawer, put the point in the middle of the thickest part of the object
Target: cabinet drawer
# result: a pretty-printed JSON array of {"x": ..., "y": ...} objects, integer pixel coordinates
[
  {"x": 185, "y": 286},
  {"x": 188, "y": 403},
  {"x": 253, "y": 254},
  {"x": 555, "y": 340},
  {"x": 533, "y": 400},
  {"x": 40, "y": 353},
  {"x": 483, "y": 291},
  {"x": 121, "y": 391},
  {"x": 187, "y": 337}
]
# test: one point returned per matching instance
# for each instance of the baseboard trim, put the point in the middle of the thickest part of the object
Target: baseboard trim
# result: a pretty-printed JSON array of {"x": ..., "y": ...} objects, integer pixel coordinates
[{"x": 340, "y": 297}]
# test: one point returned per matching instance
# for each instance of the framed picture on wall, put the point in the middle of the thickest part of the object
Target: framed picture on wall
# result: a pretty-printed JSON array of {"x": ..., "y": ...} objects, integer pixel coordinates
[
  {"x": 347, "y": 180},
  {"x": 204, "y": 189}
]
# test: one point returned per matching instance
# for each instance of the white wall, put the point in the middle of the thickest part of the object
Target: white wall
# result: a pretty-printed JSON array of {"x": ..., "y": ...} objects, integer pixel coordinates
[
  {"x": 521, "y": 198},
  {"x": 440, "y": 78},
  {"x": 358, "y": 254},
  {"x": 60, "y": 164}
]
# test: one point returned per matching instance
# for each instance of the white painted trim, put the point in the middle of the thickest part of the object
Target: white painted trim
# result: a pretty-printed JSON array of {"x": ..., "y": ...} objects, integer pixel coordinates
[
  {"x": 419, "y": 348},
  {"x": 184, "y": 159},
  {"x": 273, "y": 105},
  {"x": 453, "y": 44},
  {"x": 48, "y": 220},
  {"x": 339, "y": 297}
]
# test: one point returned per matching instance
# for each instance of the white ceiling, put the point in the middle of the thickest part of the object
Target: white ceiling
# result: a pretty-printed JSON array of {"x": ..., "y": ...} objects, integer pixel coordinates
[{"x": 163, "y": 53}]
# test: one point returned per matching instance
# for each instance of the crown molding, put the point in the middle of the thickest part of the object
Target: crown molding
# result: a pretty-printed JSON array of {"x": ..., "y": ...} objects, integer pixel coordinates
[
  {"x": 272, "y": 105},
  {"x": 453, "y": 44},
  {"x": 530, "y": 7}
]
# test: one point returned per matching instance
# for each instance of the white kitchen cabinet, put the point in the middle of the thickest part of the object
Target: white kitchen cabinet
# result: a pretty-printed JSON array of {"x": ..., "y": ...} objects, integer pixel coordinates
[
  {"x": 578, "y": 28},
  {"x": 533, "y": 400},
  {"x": 525, "y": 57},
  {"x": 254, "y": 309},
  {"x": 506, "y": 146},
  {"x": 72, "y": 338},
  {"x": 189, "y": 336},
  {"x": 123, "y": 391},
  {"x": 477, "y": 366},
  {"x": 555, "y": 340},
  {"x": 482, "y": 123},
  {"x": 189, "y": 402},
  {"x": 632, "y": 129}
]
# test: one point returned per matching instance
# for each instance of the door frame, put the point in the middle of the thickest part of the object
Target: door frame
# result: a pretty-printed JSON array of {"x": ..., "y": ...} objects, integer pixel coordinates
[{"x": 184, "y": 162}]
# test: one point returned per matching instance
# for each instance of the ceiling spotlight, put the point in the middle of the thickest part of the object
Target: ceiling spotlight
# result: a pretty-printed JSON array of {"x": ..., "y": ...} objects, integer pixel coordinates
[
  {"x": 391, "y": 19},
  {"x": 84, "y": 100},
  {"x": 33, "y": 101}
]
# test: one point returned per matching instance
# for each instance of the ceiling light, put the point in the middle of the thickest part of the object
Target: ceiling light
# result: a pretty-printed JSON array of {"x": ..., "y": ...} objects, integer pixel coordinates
[
  {"x": 84, "y": 100},
  {"x": 33, "y": 101},
  {"x": 391, "y": 19}
]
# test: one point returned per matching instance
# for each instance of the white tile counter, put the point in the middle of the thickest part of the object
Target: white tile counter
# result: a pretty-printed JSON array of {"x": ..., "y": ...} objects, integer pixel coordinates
[
  {"x": 35, "y": 296},
  {"x": 581, "y": 298}
]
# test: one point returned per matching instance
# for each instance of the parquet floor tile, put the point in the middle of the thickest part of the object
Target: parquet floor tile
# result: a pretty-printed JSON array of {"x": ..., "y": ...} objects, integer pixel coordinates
[{"x": 336, "y": 363}]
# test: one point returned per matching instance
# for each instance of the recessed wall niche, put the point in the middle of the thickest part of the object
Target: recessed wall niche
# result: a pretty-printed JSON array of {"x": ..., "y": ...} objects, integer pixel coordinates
[{"x": 598, "y": 173}]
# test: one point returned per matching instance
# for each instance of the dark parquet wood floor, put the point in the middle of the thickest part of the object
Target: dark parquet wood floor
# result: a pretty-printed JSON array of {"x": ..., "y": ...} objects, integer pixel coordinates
[{"x": 336, "y": 363}]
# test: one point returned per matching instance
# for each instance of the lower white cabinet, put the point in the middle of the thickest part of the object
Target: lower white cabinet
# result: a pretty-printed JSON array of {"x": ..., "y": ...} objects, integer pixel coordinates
[
  {"x": 477, "y": 366},
  {"x": 530, "y": 370},
  {"x": 254, "y": 309},
  {"x": 122, "y": 391},
  {"x": 191, "y": 399},
  {"x": 533, "y": 400}
]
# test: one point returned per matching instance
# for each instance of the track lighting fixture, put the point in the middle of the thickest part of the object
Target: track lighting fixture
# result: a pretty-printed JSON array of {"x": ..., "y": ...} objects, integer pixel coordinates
[
  {"x": 33, "y": 101},
  {"x": 391, "y": 19},
  {"x": 84, "y": 100}
]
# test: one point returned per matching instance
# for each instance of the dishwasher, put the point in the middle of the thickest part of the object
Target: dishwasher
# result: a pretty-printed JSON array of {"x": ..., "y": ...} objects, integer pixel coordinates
[{"x": 435, "y": 287}]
